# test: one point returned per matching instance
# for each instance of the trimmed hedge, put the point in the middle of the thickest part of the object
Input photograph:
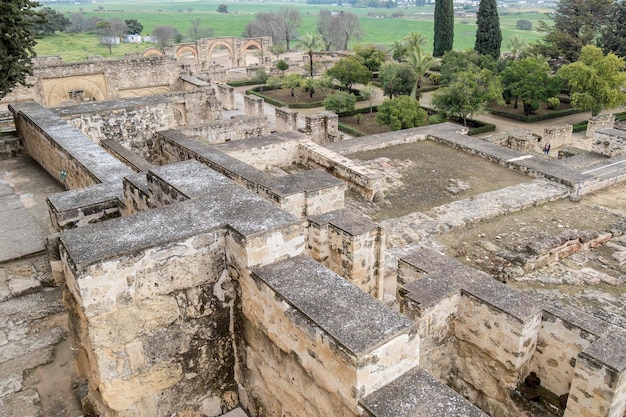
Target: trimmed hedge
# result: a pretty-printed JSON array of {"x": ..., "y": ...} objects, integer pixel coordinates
[
  {"x": 350, "y": 130},
  {"x": 241, "y": 83},
  {"x": 274, "y": 102},
  {"x": 535, "y": 117}
]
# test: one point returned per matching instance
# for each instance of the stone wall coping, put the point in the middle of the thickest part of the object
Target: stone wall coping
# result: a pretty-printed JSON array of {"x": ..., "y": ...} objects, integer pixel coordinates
[
  {"x": 260, "y": 141},
  {"x": 447, "y": 276},
  {"x": 417, "y": 393},
  {"x": 349, "y": 221},
  {"x": 194, "y": 80},
  {"x": 135, "y": 161},
  {"x": 609, "y": 350},
  {"x": 225, "y": 205},
  {"x": 612, "y": 132},
  {"x": 139, "y": 180},
  {"x": 102, "y": 166},
  {"x": 191, "y": 178},
  {"x": 313, "y": 180},
  {"x": 304, "y": 181},
  {"x": 354, "y": 319},
  {"x": 573, "y": 317},
  {"x": 99, "y": 107},
  {"x": 88, "y": 196}
]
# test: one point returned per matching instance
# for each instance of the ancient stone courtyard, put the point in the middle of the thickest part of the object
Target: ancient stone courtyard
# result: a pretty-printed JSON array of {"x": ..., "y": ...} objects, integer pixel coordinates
[{"x": 415, "y": 273}]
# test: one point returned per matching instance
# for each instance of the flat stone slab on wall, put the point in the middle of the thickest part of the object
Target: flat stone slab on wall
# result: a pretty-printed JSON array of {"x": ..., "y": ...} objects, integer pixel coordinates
[{"x": 418, "y": 394}]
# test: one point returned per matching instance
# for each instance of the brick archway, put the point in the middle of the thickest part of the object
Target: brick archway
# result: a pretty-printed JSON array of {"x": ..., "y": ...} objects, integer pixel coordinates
[{"x": 152, "y": 51}]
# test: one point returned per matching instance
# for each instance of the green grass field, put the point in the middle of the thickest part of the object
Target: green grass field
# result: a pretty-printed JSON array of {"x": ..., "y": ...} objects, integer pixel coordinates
[{"x": 379, "y": 31}]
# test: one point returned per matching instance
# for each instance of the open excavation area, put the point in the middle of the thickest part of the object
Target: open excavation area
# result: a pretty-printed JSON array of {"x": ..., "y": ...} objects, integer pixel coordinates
[{"x": 177, "y": 248}]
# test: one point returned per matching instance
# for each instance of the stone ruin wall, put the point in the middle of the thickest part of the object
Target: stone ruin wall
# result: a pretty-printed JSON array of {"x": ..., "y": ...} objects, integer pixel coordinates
[
  {"x": 609, "y": 142},
  {"x": 491, "y": 336},
  {"x": 557, "y": 136},
  {"x": 119, "y": 78},
  {"x": 599, "y": 122},
  {"x": 237, "y": 128}
]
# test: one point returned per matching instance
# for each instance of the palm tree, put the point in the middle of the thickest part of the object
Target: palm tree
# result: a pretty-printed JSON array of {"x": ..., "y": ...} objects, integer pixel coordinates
[
  {"x": 310, "y": 42},
  {"x": 414, "y": 40},
  {"x": 516, "y": 46},
  {"x": 421, "y": 64},
  {"x": 398, "y": 50},
  {"x": 387, "y": 75}
]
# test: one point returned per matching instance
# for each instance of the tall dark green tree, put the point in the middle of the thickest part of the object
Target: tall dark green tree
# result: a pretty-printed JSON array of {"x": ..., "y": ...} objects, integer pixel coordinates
[
  {"x": 488, "y": 34},
  {"x": 613, "y": 35},
  {"x": 17, "y": 42},
  {"x": 444, "y": 27}
]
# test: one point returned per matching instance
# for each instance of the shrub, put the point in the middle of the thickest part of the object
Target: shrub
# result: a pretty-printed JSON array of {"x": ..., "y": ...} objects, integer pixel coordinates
[
  {"x": 553, "y": 102},
  {"x": 435, "y": 78},
  {"x": 402, "y": 112},
  {"x": 524, "y": 24},
  {"x": 436, "y": 118},
  {"x": 340, "y": 101}
]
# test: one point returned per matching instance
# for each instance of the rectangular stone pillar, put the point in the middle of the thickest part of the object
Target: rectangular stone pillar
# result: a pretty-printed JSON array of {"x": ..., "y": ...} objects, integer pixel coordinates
[
  {"x": 557, "y": 136},
  {"x": 323, "y": 127},
  {"x": 599, "y": 122},
  {"x": 599, "y": 385},
  {"x": 226, "y": 94},
  {"x": 253, "y": 105},
  {"x": 286, "y": 120},
  {"x": 609, "y": 142}
]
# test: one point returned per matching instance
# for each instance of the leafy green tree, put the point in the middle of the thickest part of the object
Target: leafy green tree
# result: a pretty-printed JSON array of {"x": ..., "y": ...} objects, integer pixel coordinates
[
  {"x": 524, "y": 24},
  {"x": 17, "y": 43},
  {"x": 110, "y": 32},
  {"x": 396, "y": 78},
  {"x": 261, "y": 77},
  {"x": 421, "y": 64},
  {"x": 488, "y": 34},
  {"x": 340, "y": 102},
  {"x": 133, "y": 27},
  {"x": 282, "y": 66},
  {"x": 613, "y": 35},
  {"x": 372, "y": 56},
  {"x": 370, "y": 93},
  {"x": 222, "y": 8},
  {"x": 596, "y": 81},
  {"x": 310, "y": 42},
  {"x": 292, "y": 81},
  {"x": 469, "y": 94},
  {"x": 529, "y": 79},
  {"x": 444, "y": 27},
  {"x": 402, "y": 112},
  {"x": 575, "y": 23},
  {"x": 52, "y": 21},
  {"x": 455, "y": 62},
  {"x": 349, "y": 71}
]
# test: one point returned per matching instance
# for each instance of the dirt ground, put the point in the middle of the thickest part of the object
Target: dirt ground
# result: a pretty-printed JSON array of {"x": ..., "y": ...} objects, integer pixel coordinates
[{"x": 426, "y": 174}]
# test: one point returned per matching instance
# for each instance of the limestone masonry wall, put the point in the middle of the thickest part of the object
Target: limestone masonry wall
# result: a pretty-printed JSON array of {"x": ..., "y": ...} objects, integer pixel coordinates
[
  {"x": 599, "y": 122},
  {"x": 609, "y": 142},
  {"x": 558, "y": 136},
  {"x": 496, "y": 336},
  {"x": 237, "y": 128}
]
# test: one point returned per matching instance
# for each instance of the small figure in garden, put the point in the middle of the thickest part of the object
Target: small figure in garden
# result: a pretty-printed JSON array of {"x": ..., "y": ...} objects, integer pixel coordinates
[{"x": 546, "y": 149}]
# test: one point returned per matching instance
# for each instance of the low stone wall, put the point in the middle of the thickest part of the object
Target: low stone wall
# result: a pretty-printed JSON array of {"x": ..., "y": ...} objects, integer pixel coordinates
[
  {"x": 266, "y": 152},
  {"x": 226, "y": 94},
  {"x": 310, "y": 340},
  {"x": 11, "y": 145},
  {"x": 350, "y": 245},
  {"x": 497, "y": 335},
  {"x": 131, "y": 122},
  {"x": 599, "y": 122},
  {"x": 253, "y": 105},
  {"x": 322, "y": 127},
  {"x": 367, "y": 182},
  {"x": 237, "y": 128},
  {"x": 301, "y": 194},
  {"x": 609, "y": 142},
  {"x": 286, "y": 120},
  {"x": 62, "y": 150},
  {"x": 521, "y": 140}
]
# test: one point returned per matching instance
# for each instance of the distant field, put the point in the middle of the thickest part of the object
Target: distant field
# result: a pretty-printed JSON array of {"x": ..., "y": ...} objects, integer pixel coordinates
[{"x": 376, "y": 30}]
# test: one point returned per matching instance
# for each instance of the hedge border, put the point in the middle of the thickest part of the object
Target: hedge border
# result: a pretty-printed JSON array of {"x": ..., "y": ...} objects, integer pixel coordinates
[
  {"x": 274, "y": 102},
  {"x": 535, "y": 117},
  {"x": 242, "y": 83}
]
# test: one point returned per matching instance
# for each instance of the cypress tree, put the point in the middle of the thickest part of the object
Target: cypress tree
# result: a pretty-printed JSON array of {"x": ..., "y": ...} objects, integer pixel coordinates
[
  {"x": 488, "y": 34},
  {"x": 444, "y": 27}
]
